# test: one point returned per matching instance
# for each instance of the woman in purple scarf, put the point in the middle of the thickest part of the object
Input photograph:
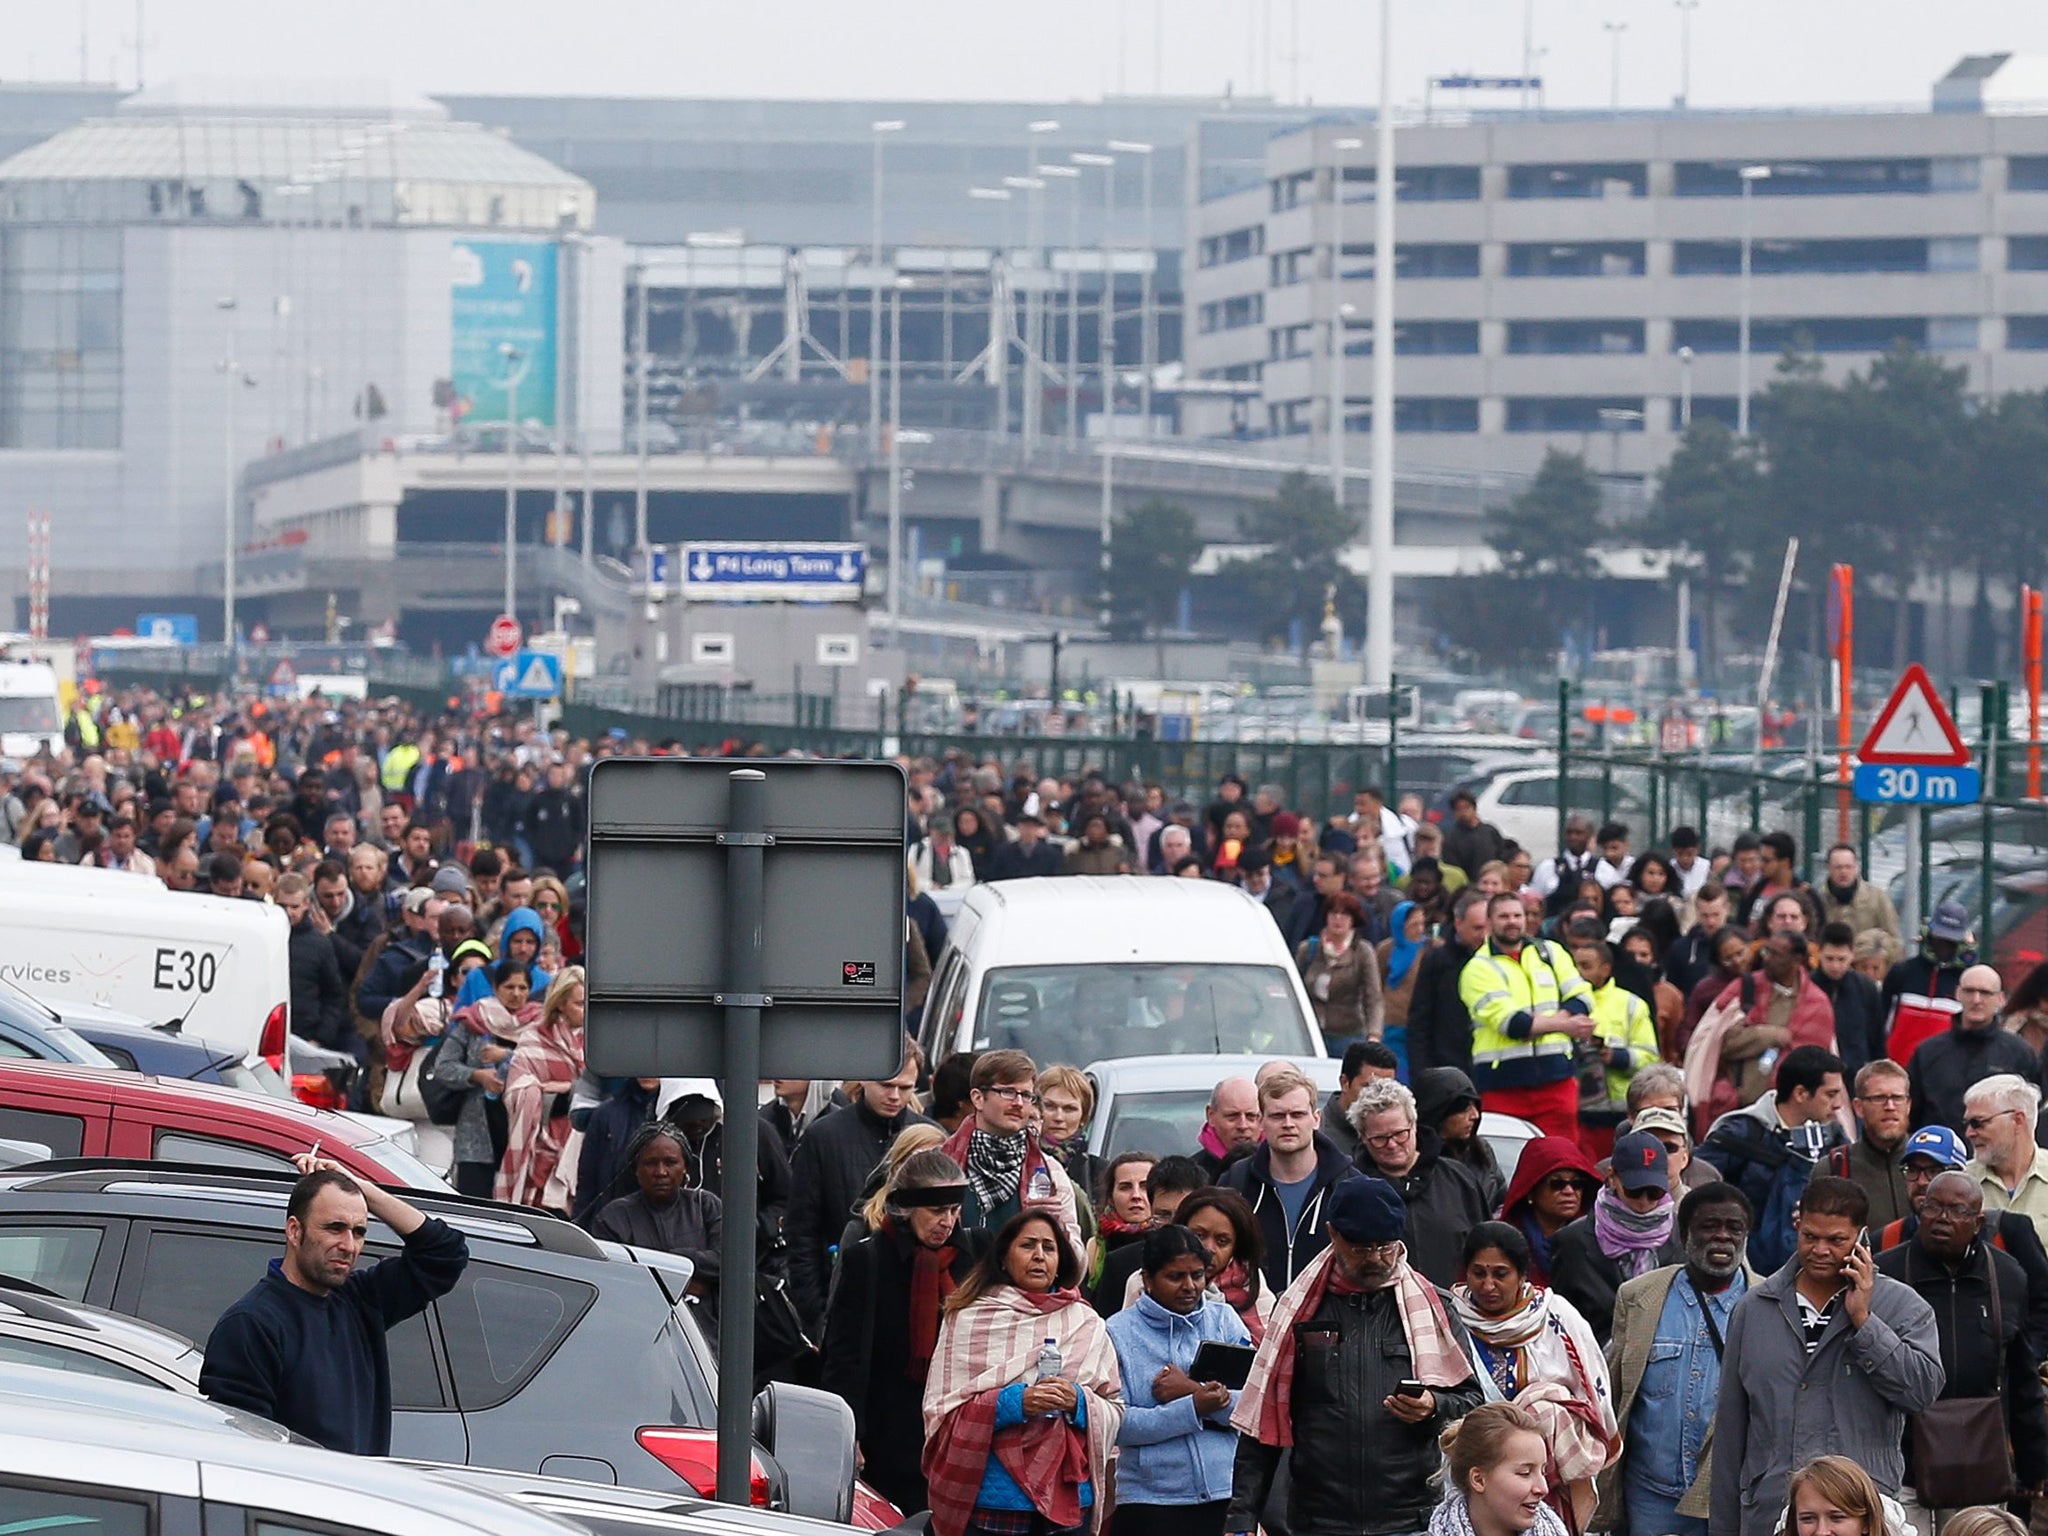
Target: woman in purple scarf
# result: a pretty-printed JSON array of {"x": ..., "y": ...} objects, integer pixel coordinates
[{"x": 1629, "y": 1233}]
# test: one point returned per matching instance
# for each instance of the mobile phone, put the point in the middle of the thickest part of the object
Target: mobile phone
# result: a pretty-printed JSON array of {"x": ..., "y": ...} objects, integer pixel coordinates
[
  {"x": 1863, "y": 1239},
  {"x": 1410, "y": 1388}
]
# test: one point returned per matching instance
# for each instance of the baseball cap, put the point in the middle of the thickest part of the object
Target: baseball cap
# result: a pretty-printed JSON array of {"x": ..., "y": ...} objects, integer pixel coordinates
[
  {"x": 1951, "y": 921},
  {"x": 1367, "y": 1210},
  {"x": 1641, "y": 1162},
  {"x": 1658, "y": 1118},
  {"x": 1937, "y": 1142}
]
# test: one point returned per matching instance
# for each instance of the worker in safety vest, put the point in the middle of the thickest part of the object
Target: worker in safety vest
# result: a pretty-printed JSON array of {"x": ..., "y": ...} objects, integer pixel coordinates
[{"x": 1530, "y": 1007}]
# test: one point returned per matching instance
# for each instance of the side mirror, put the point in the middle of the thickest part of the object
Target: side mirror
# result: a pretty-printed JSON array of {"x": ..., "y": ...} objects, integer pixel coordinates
[{"x": 810, "y": 1435}]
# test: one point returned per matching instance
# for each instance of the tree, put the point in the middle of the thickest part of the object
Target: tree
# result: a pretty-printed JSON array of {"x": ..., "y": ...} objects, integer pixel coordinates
[
  {"x": 1152, "y": 550},
  {"x": 1303, "y": 530},
  {"x": 1704, "y": 512},
  {"x": 1549, "y": 531}
]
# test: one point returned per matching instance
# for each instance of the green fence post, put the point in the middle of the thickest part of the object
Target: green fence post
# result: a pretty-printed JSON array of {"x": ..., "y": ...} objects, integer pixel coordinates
[
  {"x": 1564, "y": 755},
  {"x": 1810, "y": 830},
  {"x": 1926, "y": 866}
]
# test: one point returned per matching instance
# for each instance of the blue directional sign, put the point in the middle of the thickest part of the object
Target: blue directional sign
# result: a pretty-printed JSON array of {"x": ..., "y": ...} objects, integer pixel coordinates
[
  {"x": 169, "y": 628},
  {"x": 528, "y": 675},
  {"x": 1908, "y": 784},
  {"x": 734, "y": 572}
]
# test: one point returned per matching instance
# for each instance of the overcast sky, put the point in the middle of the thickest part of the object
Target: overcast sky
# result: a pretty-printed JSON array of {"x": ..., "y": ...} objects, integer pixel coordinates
[{"x": 1745, "y": 52}]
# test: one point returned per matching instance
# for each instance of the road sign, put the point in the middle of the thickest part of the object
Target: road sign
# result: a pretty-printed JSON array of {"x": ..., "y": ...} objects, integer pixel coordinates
[
  {"x": 284, "y": 680},
  {"x": 528, "y": 675},
  {"x": 504, "y": 636},
  {"x": 839, "y": 650},
  {"x": 763, "y": 573},
  {"x": 1914, "y": 729},
  {"x": 169, "y": 628},
  {"x": 1911, "y": 784}
]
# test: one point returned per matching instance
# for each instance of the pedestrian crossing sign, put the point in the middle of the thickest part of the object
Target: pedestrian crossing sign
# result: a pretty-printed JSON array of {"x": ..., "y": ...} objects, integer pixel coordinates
[
  {"x": 1914, "y": 728},
  {"x": 529, "y": 675}
]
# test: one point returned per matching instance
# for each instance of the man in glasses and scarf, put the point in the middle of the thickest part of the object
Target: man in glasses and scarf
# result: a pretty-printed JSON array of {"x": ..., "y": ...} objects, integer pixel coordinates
[{"x": 1007, "y": 1170}]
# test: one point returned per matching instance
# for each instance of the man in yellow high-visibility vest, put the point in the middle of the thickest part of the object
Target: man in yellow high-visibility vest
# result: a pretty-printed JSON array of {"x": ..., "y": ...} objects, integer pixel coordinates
[{"x": 1529, "y": 1008}]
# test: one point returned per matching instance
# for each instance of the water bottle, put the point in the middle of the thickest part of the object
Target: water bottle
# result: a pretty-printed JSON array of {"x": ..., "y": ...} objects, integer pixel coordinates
[
  {"x": 437, "y": 966},
  {"x": 1050, "y": 1367}
]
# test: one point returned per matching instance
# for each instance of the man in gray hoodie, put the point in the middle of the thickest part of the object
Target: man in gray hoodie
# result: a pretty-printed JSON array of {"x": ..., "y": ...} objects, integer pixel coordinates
[{"x": 1825, "y": 1357}]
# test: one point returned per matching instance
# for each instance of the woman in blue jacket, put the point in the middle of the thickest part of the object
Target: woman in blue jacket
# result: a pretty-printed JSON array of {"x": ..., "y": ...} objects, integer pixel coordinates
[{"x": 1176, "y": 1444}]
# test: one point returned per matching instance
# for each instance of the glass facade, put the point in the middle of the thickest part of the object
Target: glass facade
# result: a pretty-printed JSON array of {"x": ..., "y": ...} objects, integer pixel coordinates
[{"x": 60, "y": 338}]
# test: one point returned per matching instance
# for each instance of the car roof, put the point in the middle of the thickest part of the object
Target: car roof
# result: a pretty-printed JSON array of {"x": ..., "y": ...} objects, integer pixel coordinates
[
  {"x": 229, "y": 1104},
  {"x": 1100, "y": 919},
  {"x": 1176, "y": 1074},
  {"x": 60, "y": 1314},
  {"x": 149, "y": 1433},
  {"x": 683, "y": 1511}
]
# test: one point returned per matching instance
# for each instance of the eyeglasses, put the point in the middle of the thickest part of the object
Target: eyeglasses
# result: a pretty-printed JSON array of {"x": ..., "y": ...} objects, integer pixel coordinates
[
  {"x": 1391, "y": 1138},
  {"x": 1978, "y": 1122},
  {"x": 1375, "y": 1250},
  {"x": 1952, "y": 1212},
  {"x": 1888, "y": 1100},
  {"x": 1014, "y": 1095},
  {"x": 1557, "y": 1184}
]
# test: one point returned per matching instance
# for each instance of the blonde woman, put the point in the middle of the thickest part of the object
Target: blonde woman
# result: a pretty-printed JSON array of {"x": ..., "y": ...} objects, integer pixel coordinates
[{"x": 540, "y": 1146}]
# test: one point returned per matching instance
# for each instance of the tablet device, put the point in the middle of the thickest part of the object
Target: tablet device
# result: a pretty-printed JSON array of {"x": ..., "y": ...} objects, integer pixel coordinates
[{"x": 1230, "y": 1364}]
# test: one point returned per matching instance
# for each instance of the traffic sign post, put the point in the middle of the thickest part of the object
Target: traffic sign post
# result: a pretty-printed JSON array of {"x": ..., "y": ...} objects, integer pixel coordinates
[
  {"x": 1914, "y": 756},
  {"x": 504, "y": 636},
  {"x": 742, "y": 924}
]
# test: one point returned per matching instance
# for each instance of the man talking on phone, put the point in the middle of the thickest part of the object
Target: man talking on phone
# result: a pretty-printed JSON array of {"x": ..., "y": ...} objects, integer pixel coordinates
[
  {"x": 1362, "y": 1365},
  {"x": 1826, "y": 1357}
]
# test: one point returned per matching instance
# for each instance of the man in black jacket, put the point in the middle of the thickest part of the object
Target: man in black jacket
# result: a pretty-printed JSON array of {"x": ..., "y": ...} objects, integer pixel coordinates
[
  {"x": 305, "y": 1348},
  {"x": 1974, "y": 1048},
  {"x": 1690, "y": 961},
  {"x": 1984, "y": 1350},
  {"x": 553, "y": 822},
  {"x": 829, "y": 1173},
  {"x": 1859, "y": 1006},
  {"x": 1439, "y": 1027},
  {"x": 1469, "y": 843},
  {"x": 1445, "y": 1199},
  {"x": 1031, "y": 854},
  {"x": 1641, "y": 1233},
  {"x": 319, "y": 993},
  {"x": 1365, "y": 1457},
  {"x": 406, "y": 948},
  {"x": 1289, "y": 1178}
]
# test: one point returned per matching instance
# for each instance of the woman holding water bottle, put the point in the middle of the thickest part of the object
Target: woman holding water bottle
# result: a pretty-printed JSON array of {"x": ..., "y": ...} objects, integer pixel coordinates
[{"x": 1024, "y": 1400}]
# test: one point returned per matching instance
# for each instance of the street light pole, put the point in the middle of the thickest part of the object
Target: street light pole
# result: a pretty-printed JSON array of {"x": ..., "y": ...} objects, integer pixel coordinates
[
  {"x": 1335, "y": 408},
  {"x": 640, "y": 421},
  {"x": 1379, "y": 610},
  {"x": 1751, "y": 175},
  {"x": 231, "y": 371},
  {"x": 1685, "y": 10},
  {"x": 880, "y": 129},
  {"x": 896, "y": 464},
  {"x": 1071, "y": 175},
  {"x": 1614, "y": 29},
  {"x": 1147, "y": 338},
  {"x": 1685, "y": 389},
  {"x": 514, "y": 359}
]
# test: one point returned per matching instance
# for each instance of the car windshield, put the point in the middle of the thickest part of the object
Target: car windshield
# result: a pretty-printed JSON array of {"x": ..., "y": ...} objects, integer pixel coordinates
[
  {"x": 1084, "y": 1013},
  {"x": 28, "y": 712},
  {"x": 1154, "y": 1122}
]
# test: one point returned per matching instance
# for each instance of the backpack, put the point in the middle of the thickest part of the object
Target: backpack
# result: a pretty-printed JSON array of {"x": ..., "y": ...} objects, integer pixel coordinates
[{"x": 443, "y": 1103}]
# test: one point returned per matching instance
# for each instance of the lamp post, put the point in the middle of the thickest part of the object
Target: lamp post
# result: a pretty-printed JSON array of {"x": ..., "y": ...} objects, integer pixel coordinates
[
  {"x": 1614, "y": 29},
  {"x": 231, "y": 370},
  {"x": 1751, "y": 175},
  {"x": 1148, "y": 352},
  {"x": 1071, "y": 176},
  {"x": 1034, "y": 385},
  {"x": 1335, "y": 407},
  {"x": 1379, "y": 612},
  {"x": 880, "y": 129},
  {"x": 1685, "y": 10},
  {"x": 896, "y": 462},
  {"x": 515, "y": 367},
  {"x": 1685, "y": 389}
]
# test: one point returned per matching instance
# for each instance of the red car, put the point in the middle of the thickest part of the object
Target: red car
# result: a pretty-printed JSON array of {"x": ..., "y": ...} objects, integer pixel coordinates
[{"x": 97, "y": 1112}]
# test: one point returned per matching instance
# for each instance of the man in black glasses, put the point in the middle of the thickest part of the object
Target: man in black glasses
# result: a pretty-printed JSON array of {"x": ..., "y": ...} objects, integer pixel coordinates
[
  {"x": 1974, "y": 1048},
  {"x": 1007, "y": 1171}
]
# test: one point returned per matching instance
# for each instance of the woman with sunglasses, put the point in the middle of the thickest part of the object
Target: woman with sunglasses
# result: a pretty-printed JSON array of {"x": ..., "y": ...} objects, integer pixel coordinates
[
  {"x": 1553, "y": 1187},
  {"x": 551, "y": 905}
]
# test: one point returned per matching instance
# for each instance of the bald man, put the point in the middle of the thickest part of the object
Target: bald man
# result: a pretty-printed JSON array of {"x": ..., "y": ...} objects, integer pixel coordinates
[
  {"x": 1230, "y": 1125},
  {"x": 1975, "y": 1047}
]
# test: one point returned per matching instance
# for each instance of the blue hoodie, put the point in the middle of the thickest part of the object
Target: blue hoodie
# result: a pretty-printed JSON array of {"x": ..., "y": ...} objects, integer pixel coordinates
[
  {"x": 1168, "y": 1455},
  {"x": 477, "y": 985}
]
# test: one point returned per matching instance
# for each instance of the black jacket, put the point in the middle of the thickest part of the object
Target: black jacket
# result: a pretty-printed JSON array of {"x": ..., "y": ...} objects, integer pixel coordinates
[
  {"x": 612, "y": 1124},
  {"x": 1589, "y": 1279},
  {"x": 1690, "y": 961},
  {"x": 386, "y": 977},
  {"x": 553, "y": 823},
  {"x": 1357, "y": 1470},
  {"x": 1439, "y": 1091},
  {"x": 318, "y": 1364},
  {"x": 831, "y": 1167},
  {"x": 1472, "y": 848},
  {"x": 1446, "y": 1200},
  {"x": 1439, "y": 1028},
  {"x": 360, "y": 927},
  {"x": 1013, "y": 861},
  {"x": 2013, "y": 1234},
  {"x": 867, "y": 1341},
  {"x": 1859, "y": 1019},
  {"x": 319, "y": 992},
  {"x": 1288, "y": 1253},
  {"x": 1945, "y": 1066},
  {"x": 1970, "y": 1354},
  {"x": 1920, "y": 976}
]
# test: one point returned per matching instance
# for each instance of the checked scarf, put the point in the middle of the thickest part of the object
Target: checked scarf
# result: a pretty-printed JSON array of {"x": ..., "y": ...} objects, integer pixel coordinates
[
  {"x": 995, "y": 1166},
  {"x": 1265, "y": 1409},
  {"x": 989, "y": 1346}
]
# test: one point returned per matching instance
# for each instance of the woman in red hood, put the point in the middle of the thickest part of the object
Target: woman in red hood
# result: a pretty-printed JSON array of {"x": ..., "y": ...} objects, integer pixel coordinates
[{"x": 1553, "y": 1186}]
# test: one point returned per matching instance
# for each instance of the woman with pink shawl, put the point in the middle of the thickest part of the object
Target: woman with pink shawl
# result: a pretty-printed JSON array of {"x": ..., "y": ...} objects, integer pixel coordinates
[
  {"x": 1008, "y": 1454},
  {"x": 539, "y": 1167}
]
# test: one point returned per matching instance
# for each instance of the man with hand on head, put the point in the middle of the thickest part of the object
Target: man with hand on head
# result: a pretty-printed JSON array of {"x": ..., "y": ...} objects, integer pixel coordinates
[{"x": 305, "y": 1347}]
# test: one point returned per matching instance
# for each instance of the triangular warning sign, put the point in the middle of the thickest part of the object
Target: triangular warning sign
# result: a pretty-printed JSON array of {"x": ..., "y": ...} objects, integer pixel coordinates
[
  {"x": 1914, "y": 727},
  {"x": 284, "y": 675},
  {"x": 538, "y": 677}
]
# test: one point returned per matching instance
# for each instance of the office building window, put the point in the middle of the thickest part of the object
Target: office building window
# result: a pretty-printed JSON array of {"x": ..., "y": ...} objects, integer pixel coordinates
[
  {"x": 1291, "y": 267},
  {"x": 1414, "y": 261},
  {"x": 2027, "y": 173},
  {"x": 1952, "y": 253},
  {"x": 1560, "y": 337},
  {"x": 1585, "y": 258},
  {"x": 1233, "y": 314},
  {"x": 1418, "y": 338},
  {"x": 1774, "y": 258},
  {"x": 1952, "y": 333},
  {"x": 60, "y": 338},
  {"x": 1293, "y": 191},
  {"x": 1415, "y": 183},
  {"x": 2026, "y": 253},
  {"x": 1291, "y": 418},
  {"x": 1575, "y": 413},
  {"x": 1237, "y": 373},
  {"x": 1804, "y": 178},
  {"x": 1875, "y": 333},
  {"x": 1290, "y": 341},
  {"x": 1426, "y": 413},
  {"x": 1233, "y": 245},
  {"x": 2026, "y": 333},
  {"x": 1602, "y": 179}
]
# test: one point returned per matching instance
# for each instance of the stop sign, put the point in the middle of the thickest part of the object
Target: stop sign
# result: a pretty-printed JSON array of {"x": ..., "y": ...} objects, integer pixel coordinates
[{"x": 503, "y": 640}]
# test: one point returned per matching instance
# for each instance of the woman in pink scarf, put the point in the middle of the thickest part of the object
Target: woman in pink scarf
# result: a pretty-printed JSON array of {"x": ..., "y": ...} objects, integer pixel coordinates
[{"x": 539, "y": 1168}]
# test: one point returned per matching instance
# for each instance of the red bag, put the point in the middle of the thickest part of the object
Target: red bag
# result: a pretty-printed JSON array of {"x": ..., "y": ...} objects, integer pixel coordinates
[{"x": 1915, "y": 1019}]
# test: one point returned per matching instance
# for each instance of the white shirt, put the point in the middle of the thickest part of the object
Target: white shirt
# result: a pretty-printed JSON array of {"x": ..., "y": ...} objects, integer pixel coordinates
[{"x": 1690, "y": 880}]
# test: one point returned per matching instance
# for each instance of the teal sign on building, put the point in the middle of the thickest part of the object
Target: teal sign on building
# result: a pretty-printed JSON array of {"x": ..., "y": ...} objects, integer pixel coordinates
[{"x": 504, "y": 295}]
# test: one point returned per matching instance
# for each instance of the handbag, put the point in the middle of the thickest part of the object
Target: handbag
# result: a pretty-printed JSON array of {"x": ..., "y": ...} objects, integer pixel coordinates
[
  {"x": 403, "y": 1098},
  {"x": 1961, "y": 1454}
]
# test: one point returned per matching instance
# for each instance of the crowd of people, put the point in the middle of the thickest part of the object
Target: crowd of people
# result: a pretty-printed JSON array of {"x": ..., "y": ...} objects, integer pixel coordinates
[{"x": 1767, "y": 1254}]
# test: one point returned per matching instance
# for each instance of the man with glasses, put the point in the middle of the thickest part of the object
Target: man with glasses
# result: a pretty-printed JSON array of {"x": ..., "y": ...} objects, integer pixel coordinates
[
  {"x": 1007, "y": 1170},
  {"x": 1984, "y": 1349},
  {"x": 1873, "y": 1161},
  {"x": 1445, "y": 1199},
  {"x": 1826, "y": 1357},
  {"x": 1999, "y": 1115},
  {"x": 1974, "y": 1048}
]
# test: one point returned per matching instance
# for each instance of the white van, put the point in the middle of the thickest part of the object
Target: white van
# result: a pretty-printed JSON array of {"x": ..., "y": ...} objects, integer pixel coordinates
[
  {"x": 31, "y": 710},
  {"x": 123, "y": 941},
  {"x": 1084, "y": 968}
]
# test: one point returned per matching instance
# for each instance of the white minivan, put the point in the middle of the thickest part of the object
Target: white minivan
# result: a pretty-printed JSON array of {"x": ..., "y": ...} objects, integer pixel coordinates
[
  {"x": 1084, "y": 968},
  {"x": 220, "y": 967},
  {"x": 31, "y": 710}
]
